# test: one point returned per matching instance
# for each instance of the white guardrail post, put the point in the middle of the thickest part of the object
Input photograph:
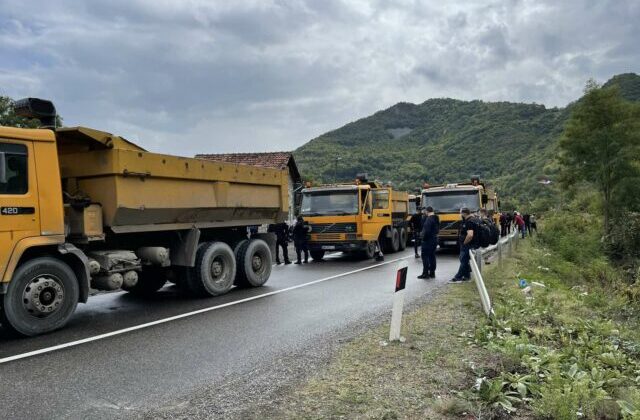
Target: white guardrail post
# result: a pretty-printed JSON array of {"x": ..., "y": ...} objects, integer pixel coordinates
[
  {"x": 398, "y": 302},
  {"x": 482, "y": 290},
  {"x": 476, "y": 261}
]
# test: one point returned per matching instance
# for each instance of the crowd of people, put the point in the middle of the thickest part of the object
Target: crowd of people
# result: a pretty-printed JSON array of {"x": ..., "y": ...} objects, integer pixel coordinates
[
  {"x": 425, "y": 228},
  {"x": 284, "y": 234},
  {"x": 525, "y": 223}
]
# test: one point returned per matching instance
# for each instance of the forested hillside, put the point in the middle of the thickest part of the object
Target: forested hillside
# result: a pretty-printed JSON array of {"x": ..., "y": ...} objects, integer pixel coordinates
[{"x": 511, "y": 145}]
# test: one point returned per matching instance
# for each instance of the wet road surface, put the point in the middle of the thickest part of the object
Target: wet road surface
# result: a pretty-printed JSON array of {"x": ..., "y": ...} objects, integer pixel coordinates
[{"x": 92, "y": 376}]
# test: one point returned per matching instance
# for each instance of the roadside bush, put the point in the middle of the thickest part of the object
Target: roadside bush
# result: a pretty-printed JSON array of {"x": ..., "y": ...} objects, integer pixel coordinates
[
  {"x": 574, "y": 236},
  {"x": 575, "y": 342},
  {"x": 624, "y": 241}
]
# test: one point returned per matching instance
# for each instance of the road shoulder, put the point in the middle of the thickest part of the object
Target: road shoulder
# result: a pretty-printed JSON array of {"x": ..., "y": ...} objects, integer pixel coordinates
[{"x": 420, "y": 378}]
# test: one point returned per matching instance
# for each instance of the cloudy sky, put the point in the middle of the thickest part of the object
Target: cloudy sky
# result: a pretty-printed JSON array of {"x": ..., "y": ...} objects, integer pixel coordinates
[{"x": 189, "y": 76}]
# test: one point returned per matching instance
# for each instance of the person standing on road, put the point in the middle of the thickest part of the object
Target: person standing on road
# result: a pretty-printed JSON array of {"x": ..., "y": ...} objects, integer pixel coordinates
[
  {"x": 281, "y": 230},
  {"x": 429, "y": 237},
  {"x": 300, "y": 232},
  {"x": 519, "y": 221},
  {"x": 466, "y": 236},
  {"x": 416, "y": 229}
]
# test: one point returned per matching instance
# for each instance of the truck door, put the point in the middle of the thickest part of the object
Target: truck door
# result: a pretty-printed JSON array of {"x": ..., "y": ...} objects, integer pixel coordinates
[
  {"x": 18, "y": 196},
  {"x": 380, "y": 213}
]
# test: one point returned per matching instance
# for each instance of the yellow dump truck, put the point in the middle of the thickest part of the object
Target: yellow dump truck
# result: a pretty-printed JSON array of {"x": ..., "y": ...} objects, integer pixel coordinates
[
  {"x": 81, "y": 209},
  {"x": 352, "y": 217},
  {"x": 448, "y": 199}
]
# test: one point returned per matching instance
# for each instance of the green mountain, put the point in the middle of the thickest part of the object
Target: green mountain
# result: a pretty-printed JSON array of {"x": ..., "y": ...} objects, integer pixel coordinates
[{"x": 510, "y": 145}]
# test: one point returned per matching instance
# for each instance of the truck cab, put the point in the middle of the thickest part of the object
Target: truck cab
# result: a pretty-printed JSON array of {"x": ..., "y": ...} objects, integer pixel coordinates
[
  {"x": 448, "y": 199},
  {"x": 352, "y": 218}
]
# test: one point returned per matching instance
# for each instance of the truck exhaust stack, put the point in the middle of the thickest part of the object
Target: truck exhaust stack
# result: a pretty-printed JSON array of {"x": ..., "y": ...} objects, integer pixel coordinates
[{"x": 40, "y": 109}]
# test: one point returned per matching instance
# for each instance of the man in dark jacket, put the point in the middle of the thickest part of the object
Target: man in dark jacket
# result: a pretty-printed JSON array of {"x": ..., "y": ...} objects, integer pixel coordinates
[
  {"x": 509, "y": 223},
  {"x": 468, "y": 241},
  {"x": 503, "y": 224},
  {"x": 527, "y": 223},
  {"x": 300, "y": 232},
  {"x": 416, "y": 229},
  {"x": 281, "y": 230},
  {"x": 429, "y": 237}
]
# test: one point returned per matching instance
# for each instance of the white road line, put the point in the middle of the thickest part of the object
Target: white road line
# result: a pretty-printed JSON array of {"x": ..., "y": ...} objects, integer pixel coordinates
[{"x": 185, "y": 315}]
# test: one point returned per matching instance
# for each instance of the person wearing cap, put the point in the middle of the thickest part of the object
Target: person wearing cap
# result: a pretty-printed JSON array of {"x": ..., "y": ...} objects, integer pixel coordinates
[
  {"x": 429, "y": 237},
  {"x": 467, "y": 242}
]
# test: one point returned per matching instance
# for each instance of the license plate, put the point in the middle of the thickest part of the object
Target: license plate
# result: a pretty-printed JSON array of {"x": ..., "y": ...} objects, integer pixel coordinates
[
  {"x": 328, "y": 247},
  {"x": 450, "y": 242}
]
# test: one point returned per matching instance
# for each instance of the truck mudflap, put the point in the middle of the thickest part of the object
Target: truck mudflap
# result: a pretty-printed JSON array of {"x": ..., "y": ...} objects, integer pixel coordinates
[
  {"x": 80, "y": 267},
  {"x": 338, "y": 246}
]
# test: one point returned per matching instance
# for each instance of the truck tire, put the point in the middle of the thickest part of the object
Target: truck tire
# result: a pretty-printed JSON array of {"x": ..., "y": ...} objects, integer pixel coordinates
[
  {"x": 369, "y": 251},
  {"x": 253, "y": 261},
  {"x": 150, "y": 280},
  {"x": 403, "y": 238},
  {"x": 42, "y": 296},
  {"x": 214, "y": 271},
  {"x": 237, "y": 247},
  {"x": 393, "y": 243},
  {"x": 317, "y": 254}
]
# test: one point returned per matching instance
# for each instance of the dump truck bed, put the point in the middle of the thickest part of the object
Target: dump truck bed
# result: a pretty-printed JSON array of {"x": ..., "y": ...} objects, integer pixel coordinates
[
  {"x": 142, "y": 191},
  {"x": 400, "y": 201}
]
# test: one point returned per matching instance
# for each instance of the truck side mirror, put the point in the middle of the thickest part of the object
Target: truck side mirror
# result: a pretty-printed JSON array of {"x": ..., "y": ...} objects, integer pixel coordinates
[
  {"x": 485, "y": 199},
  {"x": 3, "y": 169}
]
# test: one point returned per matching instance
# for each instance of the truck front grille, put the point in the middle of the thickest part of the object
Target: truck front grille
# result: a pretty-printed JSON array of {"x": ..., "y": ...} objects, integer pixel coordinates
[
  {"x": 322, "y": 228},
  {"x": 327, "y": 237},
  {"x": 455, "y": 225}
]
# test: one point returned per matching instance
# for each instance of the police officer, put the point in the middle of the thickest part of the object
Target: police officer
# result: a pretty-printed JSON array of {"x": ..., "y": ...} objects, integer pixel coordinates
[
  {"x": 281, "y": 230},
  {"x": 467, "y": 242},
  {"x": 416, "y": 229},
  {"x": 429, "y": 237},
  {"x": 300, "y": 232}
]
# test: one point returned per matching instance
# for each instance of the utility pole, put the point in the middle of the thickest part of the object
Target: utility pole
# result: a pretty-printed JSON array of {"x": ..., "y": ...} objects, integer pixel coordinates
[{"x": 335, "y": 170}]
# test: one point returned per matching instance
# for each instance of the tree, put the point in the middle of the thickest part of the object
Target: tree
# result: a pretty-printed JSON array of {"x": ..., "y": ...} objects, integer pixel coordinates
[
  {"x": 8, "y": 117},
  {"x": 601, "y": 145}
]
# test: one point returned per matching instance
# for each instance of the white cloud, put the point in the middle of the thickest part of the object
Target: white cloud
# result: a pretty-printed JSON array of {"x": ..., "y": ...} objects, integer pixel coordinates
[{"x": 217, "y": 76}]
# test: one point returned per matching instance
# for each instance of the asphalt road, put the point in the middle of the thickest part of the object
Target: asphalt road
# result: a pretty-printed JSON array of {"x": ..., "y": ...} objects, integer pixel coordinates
[{"x": 133, "y": 371}]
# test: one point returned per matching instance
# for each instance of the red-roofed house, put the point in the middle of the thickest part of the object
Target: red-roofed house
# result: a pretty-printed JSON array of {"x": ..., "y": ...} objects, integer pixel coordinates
[{"x": 277, "y": 160}]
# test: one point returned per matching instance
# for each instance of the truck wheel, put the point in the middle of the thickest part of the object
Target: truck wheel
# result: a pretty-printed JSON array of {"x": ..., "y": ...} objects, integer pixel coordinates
[
  {"x": 403, "y": 239},
  {"x": 317, "y": 254},
  {"x": 369, "y": 251},
  {"x": 42, "y": 296},
  {"x": 393, "y": 243},
  {"x": 253, "y": 259},
  {"x": 215, "y": 270},
  {"x": 238, "y": 246},
  {"x": 150, "y": 280}
]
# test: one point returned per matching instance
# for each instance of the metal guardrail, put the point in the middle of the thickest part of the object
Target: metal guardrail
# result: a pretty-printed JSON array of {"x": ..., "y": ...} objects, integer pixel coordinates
[{"x": 506, "y": 245}]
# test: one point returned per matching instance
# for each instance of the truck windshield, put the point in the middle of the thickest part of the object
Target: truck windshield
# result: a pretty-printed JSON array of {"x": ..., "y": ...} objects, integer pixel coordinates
[
  {"x": 323, "y": 203},
  {"x": 451, "y": 201}
]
